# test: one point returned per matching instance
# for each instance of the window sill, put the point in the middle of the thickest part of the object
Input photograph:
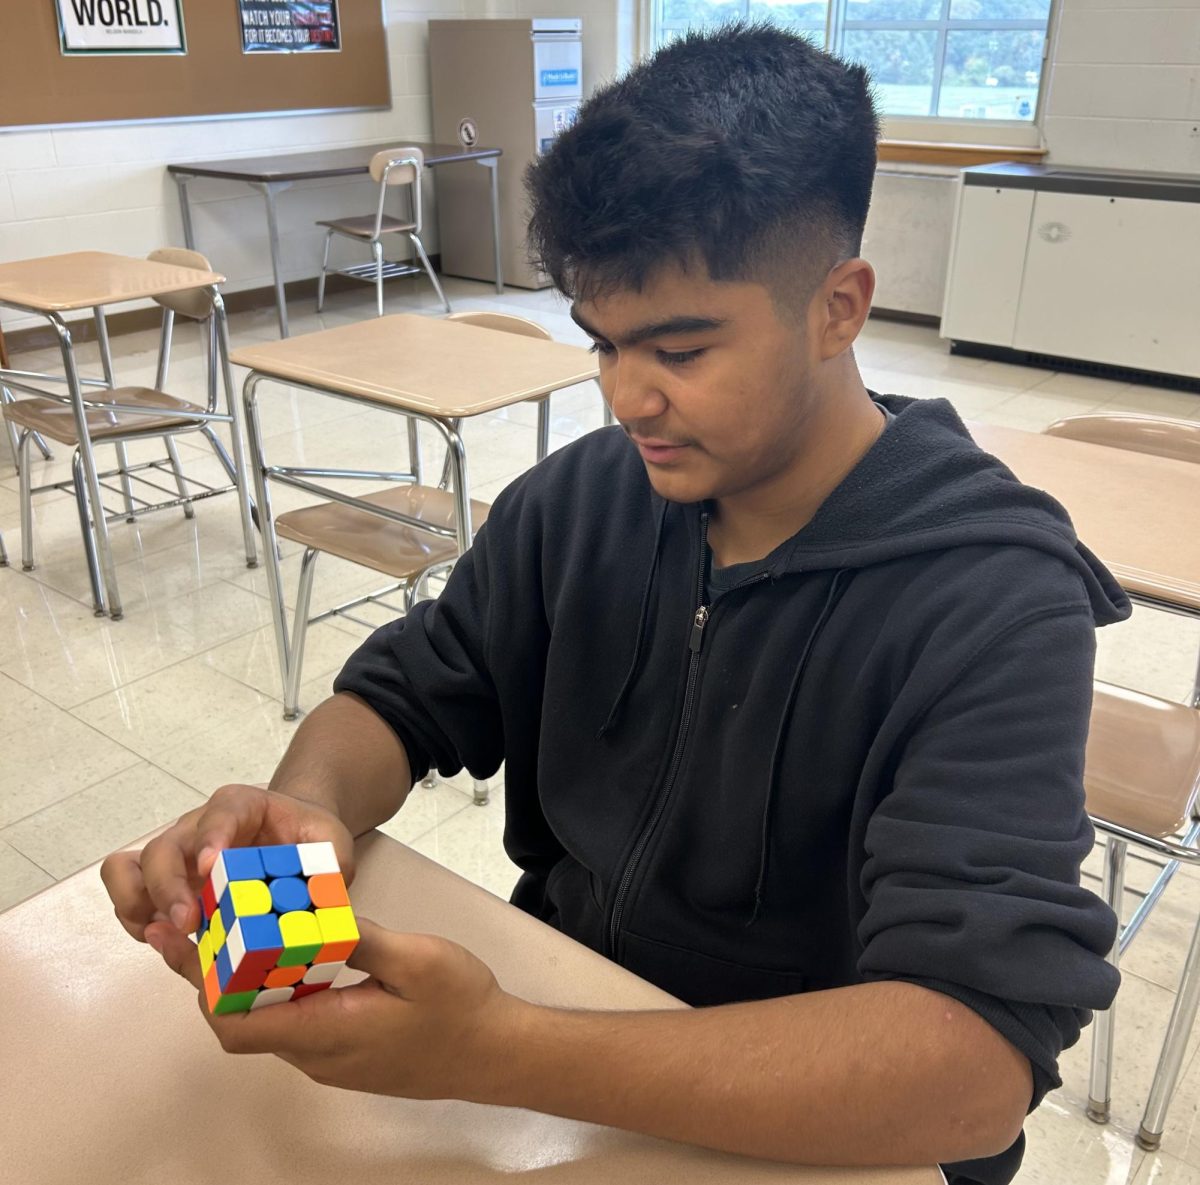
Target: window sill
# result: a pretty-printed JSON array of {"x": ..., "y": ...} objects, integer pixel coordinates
[{"x": 924, "y": 152}]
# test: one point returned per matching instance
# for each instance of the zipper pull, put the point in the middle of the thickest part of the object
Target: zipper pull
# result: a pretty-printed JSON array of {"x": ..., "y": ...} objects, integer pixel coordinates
[{"x": 698, "y": 624}]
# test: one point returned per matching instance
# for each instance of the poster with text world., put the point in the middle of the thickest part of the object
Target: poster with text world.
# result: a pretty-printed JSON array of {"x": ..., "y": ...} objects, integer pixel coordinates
[
  {"x": 120, "y": 26},
  {"x": 289, "y": 26}
]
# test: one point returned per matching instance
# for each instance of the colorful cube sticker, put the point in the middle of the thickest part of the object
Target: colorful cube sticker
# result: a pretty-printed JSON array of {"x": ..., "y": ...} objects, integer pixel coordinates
[{"x": 276, "y": 925}]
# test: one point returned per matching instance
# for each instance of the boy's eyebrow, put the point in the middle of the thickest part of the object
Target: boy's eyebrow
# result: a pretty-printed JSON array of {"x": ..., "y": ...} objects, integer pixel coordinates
[{"x": 670, "y": 327}]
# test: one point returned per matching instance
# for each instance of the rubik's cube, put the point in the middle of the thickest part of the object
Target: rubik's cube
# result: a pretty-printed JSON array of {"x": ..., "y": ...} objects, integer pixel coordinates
[{"x": 276, "y": 925}]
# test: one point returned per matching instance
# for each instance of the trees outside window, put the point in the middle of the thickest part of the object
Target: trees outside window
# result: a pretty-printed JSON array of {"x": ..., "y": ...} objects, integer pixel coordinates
[{"x": 964, "y": 59}]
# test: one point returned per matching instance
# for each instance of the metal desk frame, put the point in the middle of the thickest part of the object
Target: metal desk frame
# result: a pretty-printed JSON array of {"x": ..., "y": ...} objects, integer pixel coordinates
[{"x": 184, "y": 174}]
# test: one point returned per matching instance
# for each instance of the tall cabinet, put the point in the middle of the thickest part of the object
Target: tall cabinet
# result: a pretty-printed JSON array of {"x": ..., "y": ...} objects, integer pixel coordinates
[{"x": 515, "y": 84}]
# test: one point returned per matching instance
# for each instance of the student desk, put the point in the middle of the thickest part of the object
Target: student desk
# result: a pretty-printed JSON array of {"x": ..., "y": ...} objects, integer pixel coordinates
[
  {"x": 429, "y": 369},
  {"x": 273, "y": 174},
  {"x": 115, "y": 1078},
  {"x": 92, "y": 280},
  {"x": 1136, "y": 511}
]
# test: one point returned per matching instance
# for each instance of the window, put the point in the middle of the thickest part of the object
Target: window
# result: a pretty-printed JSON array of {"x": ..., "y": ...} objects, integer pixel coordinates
[{"x": 956, "y": 59}]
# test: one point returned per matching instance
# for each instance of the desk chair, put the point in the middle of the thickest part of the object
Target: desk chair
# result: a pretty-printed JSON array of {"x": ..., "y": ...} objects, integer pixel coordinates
[
  {"x": 1159, "y": 435},
  {"x": 120, "y": 415},
  {"x": 1143, "y": 770},
  {"x": 1141, "y": 776},
  {"x": 390, "y": 168},
  {"x": 407, "y": 532}
]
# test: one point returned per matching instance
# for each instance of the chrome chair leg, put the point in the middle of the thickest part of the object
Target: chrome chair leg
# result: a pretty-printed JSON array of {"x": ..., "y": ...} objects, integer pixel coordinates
[
  {"x": 415, "y": 465},
  {"x": 377, "y": 253},
  {"x": 412, "y": 592},
  {"x": 222, "y": 453},
  {"x": 236, "y": 465},
  {"x": 1170, "y": 1060},
  {"x": 85, "y": 532},
  {"x": 481, "y": 792},
  {"x": 126, "y": 484},
  {"x": 543, "y": 428},
  {"x": 444, "y": 481},
  {"x": 291, "y": 690},
  {"x": 437, "y": 284},
  {"x": 26, "y": 501},
  {"x": 324, "y": 269},
  {"x": 262, "y": 497},
  {"x": 189, "y": 511},
  {"x": 3, "y": 553},
  {"x": 1100, "y": 1082}
]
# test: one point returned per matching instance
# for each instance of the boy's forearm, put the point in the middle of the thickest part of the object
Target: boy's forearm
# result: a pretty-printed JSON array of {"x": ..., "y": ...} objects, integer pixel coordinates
[
  {"x": 885, "y": 1073},
  {"x": 345, "y": 758}
]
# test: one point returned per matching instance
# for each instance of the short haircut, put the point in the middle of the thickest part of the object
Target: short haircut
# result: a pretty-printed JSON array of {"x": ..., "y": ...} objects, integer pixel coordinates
[{"x": 747, "y": 149}]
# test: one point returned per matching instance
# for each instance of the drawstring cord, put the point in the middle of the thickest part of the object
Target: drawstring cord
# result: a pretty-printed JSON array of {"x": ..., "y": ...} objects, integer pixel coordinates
[
  {"x": 614, "y": 713},
  {"x": 836, "y": 588}
]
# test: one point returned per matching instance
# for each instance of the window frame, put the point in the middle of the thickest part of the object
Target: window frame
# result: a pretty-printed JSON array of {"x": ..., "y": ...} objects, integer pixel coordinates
[{"x": 934, "y": 129}]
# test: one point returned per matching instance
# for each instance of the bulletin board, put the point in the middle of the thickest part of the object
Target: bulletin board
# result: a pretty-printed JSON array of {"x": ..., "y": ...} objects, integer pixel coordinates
[{"x": 42, "y": 86}]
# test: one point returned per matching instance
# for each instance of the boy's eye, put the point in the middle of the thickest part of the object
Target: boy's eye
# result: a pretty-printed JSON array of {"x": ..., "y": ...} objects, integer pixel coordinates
[
  {"x": 603, "y": 348},
  {"x": 678, "y": 358}
]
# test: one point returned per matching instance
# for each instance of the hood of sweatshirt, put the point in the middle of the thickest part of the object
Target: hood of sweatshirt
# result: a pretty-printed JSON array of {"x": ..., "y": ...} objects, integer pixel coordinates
[{"x": 925, "y": 486}]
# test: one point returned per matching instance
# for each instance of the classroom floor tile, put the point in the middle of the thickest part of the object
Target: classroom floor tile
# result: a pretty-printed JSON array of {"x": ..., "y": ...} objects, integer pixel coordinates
[{"x": 110, "y": 729}]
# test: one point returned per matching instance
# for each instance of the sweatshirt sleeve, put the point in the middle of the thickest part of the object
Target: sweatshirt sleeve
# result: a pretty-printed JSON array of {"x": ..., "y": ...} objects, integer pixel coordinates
[
  {"x": 972, "y": 870},
  {"x": 426, "y": 674}
]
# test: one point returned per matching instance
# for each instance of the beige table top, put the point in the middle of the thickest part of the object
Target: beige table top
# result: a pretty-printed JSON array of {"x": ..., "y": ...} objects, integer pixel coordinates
[
  {"x": 88, "y": 279},
  {"x": 116, "y": 1078},
  {"x": 423, "y": 364},
  {"x": 1137, "y": 512}
]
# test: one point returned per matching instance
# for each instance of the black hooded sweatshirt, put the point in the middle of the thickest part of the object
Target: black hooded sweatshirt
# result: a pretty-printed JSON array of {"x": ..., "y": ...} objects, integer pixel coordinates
[{"x": 862, "y": 763}]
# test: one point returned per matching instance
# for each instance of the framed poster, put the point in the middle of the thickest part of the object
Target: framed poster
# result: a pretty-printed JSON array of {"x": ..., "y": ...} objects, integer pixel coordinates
[
  {"x": 289, "y": 26},
  {"x": 120, "y": 26}
]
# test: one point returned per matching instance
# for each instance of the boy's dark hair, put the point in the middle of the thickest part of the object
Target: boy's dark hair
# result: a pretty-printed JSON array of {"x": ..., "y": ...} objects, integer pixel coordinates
[{"x": 746, "y": 148}]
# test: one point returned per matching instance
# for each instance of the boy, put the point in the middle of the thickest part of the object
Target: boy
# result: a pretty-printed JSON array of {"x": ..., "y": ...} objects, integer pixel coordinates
[{"x": 791, "y": 683}]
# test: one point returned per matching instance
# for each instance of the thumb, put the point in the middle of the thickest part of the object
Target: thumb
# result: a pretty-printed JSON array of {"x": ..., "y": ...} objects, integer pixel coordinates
[
  {"x": 178, "y": 952},
  {"x": 401, "y": 963}
]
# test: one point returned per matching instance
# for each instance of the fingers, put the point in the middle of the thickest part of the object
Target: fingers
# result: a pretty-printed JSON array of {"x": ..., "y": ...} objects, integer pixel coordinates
[
  {"x": 234, "y": 817},
  {"x": 175, "y": 863},
  {"x": 168, "y": 872},
  {"x": 299, "y": 1031},
  {"x": 178, "y": 952},
  {"x": 164, "y": 878},
  {"x": 122, "y": 876}
]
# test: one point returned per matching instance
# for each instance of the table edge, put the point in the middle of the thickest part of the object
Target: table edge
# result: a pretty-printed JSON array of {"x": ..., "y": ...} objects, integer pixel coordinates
[{"x": 198, "y": 169}]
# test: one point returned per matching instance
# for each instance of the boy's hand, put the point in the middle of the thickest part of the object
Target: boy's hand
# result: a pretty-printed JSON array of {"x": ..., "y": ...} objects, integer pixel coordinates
[
  {"x": 430, "y": 1023},
  {"x": 159, "y": 884}
]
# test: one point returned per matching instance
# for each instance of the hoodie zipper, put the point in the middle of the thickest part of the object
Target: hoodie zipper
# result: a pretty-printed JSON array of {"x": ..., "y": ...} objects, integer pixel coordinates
[{"x": 695, "y": 641}]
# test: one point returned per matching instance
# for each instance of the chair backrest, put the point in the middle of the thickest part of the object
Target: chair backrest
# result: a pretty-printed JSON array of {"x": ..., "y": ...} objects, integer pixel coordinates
[
  {"x": 192, "y": 302},
  {"x": 1159, "y": 435},
  {"x": 1143, "y": 761},
  {"x": 504, "y": 322},
  {"x": 398, "y": 166}
]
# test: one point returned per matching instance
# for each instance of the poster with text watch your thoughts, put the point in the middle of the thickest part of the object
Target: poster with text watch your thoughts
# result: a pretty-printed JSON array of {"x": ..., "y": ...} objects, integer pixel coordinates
[
  {"x": 121, "y": 26},
  {"x": 289, "y": 26}
]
